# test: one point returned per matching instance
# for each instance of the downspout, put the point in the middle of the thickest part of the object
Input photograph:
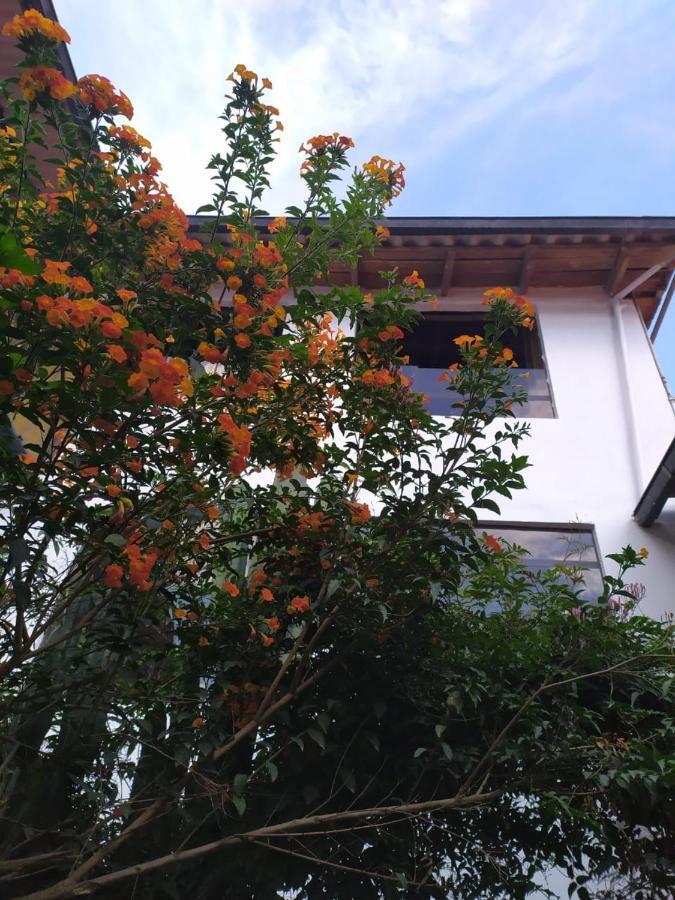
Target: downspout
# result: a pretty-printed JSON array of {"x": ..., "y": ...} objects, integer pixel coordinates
[{"x": 634, "y": 448}]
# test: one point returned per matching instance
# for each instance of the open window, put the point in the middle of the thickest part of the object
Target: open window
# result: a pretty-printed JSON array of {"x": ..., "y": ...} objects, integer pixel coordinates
[{"x": 430, "y": 349}]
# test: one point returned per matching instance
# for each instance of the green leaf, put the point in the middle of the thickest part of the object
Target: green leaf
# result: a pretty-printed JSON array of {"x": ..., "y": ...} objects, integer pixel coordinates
[
  {"x": 239, "y": 784},
  {"x": 419, "y": 752},
  {"x": 239, "y": 804},
  {"x": 13, "y": 256},
  {"x": 317, "y": 736},
  {"x": 117, "y": 540}
]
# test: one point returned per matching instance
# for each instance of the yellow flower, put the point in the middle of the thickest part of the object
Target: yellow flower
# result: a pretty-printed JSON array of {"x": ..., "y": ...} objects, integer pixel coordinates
[
  {"x": 464, "y": 340},
  {"x": 643, "y": 552}
]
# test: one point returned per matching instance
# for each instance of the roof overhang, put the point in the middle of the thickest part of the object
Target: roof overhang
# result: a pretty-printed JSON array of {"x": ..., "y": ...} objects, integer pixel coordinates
[
  {"x": 631, "y": 256},
  {"x": 660, "y": 488}
]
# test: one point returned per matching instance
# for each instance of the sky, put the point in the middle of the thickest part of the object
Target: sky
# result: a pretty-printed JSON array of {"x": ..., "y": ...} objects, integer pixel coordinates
[{"x": 496, "y": 107}]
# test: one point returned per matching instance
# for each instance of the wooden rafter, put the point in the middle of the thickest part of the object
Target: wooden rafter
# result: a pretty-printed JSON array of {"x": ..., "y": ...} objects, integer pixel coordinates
[
  {"x": 645, "y": 276},
  {"x": 525, "y": 270},
  {"x": 448, "y": 269},
  {"x": 618, "y": 270}
]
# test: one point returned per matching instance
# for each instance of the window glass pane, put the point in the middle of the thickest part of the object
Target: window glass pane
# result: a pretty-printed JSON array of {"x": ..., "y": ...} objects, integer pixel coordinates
[{"x": 546, "y": 548}]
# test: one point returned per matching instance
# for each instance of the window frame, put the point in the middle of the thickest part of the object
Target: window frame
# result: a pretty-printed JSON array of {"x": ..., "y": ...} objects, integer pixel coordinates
[
  {"x": 494, "y": 525},
  {"x": 474, "y": 311}
]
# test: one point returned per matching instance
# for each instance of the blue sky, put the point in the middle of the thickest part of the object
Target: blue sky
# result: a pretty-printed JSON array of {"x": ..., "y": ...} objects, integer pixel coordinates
[{"x": 496, "y": 107}]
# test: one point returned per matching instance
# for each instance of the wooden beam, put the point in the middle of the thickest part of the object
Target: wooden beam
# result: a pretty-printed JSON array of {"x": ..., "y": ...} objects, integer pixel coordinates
[
  {"x": 448, "y": 269},
  {"x": 525, "y": 271},
  {"x": 645, "y": 276},
  {"x": 618, "y": 270}
]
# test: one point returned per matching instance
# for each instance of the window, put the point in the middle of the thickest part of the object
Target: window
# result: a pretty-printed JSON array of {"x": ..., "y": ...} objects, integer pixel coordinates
[
  {"x": 429, "y": 346},
  {"x": 549, "y": 546}
]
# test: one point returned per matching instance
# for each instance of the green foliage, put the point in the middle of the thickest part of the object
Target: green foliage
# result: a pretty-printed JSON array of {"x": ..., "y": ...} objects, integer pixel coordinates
[{"x": 251, "y": 642}]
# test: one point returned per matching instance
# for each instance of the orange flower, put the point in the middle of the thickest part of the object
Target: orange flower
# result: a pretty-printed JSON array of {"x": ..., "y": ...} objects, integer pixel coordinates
[
  {"x": 414, "y": 280},
  {"x": 42, "y": 79},
  {"x": 386, "y": 171},
  {"x": 237, "y": 464},
  {"x": 267, "y": 595},
  {"x": 242, "y": 341},
  {"x": 179, "y": 613},
  {"x": 117, "y": 353},
  {"x": 643, "y": 552},
  {"x": 113, "y": 576},
  {"x": 277, "y": 224},
  {"x": 110, "y": 330},
  {"x": 493, "y": 543},
  {"x": 231, "y": 588},
  {"x": 128, "y": 135},
  {"x": 298, "y": 605},
  {"x": 464, "y": 340},
  {"x": 33, "y": 22},
  {"x": 113, "y": 490},
  {"x": 234, "y": 282},
  {"x": 382, "y": 232},
  {"x": 360, "y": 512},
  {"x": 203, "y": 642},
  {"x": 98, "y": 92},
  {"x": 390, "y": 333},
  {"x": 126, "y": 295},
  {"x": 266, "y": 640},
  {"x": 198, "y": 722}
]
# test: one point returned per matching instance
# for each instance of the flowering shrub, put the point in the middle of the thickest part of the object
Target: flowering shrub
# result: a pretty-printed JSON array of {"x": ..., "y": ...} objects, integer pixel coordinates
[{"x": 236, "y": 548}]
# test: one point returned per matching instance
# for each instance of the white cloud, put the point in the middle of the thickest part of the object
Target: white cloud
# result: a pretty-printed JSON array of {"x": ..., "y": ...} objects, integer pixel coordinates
[{"x": 404, "y": 78}]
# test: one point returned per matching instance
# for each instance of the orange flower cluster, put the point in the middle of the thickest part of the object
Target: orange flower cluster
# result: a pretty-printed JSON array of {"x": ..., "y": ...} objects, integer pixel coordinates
[
  {"x": 323, "y": 142},
  {"x": 521, "y": 303},
  {"x": 298, "y": 604},
  {"x": 493, "y": 543},
  {"x": 55, "y": 272},
  {"x": 167, "y": 380},
  {"x": 335, "y": 145},
  {"x": 359, "y": 512},
  {"x": 10, "y": 278},
  {"x": 97, "y": 92},
  {"x": 246, "y": 75},
  {"x": 44, "y": 79},
  {"x": 277, "y": 224},
  {"x": 466, "y": 340},
  {"x": 386, "y": 171},
  {"x": 414, "y": 280},
  {"x": 127, "y": 135},
  {"x": 379, "y": 378},
  {"x": 62, "y": 311},
  {"x": 140, "y": 565},
  {"x": 33, "y": 22},
  {"x": 240, "y": 438},
  {"x": 390, "y": 333}
]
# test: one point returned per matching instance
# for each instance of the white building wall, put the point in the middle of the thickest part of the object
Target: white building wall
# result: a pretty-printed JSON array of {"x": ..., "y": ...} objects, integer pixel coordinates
[{"x": 592, "y": 462}]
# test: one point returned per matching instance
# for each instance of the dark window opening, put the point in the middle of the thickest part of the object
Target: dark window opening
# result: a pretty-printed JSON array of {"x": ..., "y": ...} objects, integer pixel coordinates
[{"x": 430, "y": 350}]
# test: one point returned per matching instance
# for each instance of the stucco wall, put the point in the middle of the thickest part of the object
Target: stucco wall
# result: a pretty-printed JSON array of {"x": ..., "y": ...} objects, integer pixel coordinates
[{"x": 591, "y": 463}]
